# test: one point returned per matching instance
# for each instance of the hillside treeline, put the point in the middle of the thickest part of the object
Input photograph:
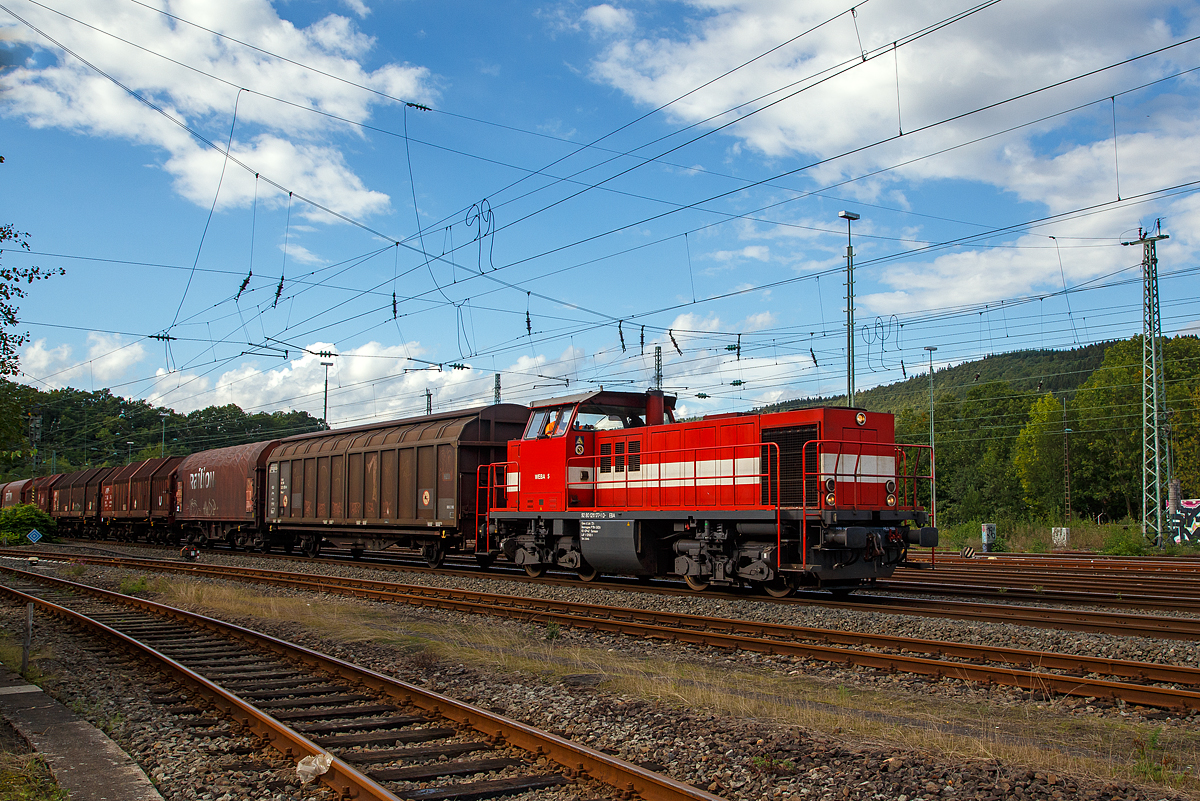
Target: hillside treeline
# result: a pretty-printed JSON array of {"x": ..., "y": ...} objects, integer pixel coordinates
[
  {"x": 69, "y": 429},
  {"x": 1001, "y": 445}
]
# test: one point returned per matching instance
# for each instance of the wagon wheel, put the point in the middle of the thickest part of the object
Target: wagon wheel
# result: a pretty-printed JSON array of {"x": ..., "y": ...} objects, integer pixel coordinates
[
  {"x": 697, "y": 583},
  {"x": 587, "y": 573},
  {"x": 534, "y": 571},
  {"x": 310, "y": 545},
  {"x": 433, "y": 554},
  {"x": 778, "y": 588},
  {"x": 484, "y": 560}
]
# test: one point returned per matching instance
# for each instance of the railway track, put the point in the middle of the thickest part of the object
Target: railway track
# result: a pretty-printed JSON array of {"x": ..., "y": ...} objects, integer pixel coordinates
[
  {"x": 378, "y": 737},
  {"x": 1036, "y": 671},
  {"x": 1112, "y": 583},
  {"x": 1095, "y": 621}
]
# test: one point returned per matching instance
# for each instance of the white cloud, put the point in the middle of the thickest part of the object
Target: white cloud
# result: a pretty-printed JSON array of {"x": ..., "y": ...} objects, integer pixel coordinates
[
  {"x": 608, "y": 19},
  {"x": 110, "y": 358},
  {"x": 284, "y": 142}
]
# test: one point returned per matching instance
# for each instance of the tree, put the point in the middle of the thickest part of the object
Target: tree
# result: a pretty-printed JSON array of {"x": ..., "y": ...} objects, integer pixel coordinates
[
  {"x": 11, "y": 279},
  {"x": 1038, "y": 457}
]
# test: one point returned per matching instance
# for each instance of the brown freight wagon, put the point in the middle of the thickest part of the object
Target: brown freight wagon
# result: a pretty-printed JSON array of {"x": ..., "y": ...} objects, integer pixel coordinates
[
  {"x": 40, "y": 495},
  {"x": 218, "y": 496},
  {"x": 16, "y": 492},
  {"x": 75, "y": 502},
  {"x": 129, "y": 500},
  {"x": 404, "y": 483}
]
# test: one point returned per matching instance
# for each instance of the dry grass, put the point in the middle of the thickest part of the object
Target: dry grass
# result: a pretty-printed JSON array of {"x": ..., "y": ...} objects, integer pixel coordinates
[
  {"x": 956, "y": 722},
  {"x": 25, "y": 777}
]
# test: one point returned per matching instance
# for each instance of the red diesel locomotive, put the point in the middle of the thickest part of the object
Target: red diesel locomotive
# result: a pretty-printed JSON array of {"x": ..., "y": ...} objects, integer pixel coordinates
[{"x": 609, "y": 482}]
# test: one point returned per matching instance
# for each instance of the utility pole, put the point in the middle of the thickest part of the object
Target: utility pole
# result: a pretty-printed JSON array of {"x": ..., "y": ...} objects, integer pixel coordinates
[
  {"x": 497, "y": 398},
  {"x": 162, "y": 451},
  {"x": 1066, "y": 463},
  {"x": 1152, "y": 390},
  {"x": 658, "y": 366},
  {"x": 932, "y": 470},
  {"x": 325, "y": 413},
  {"x": 849, "y": 217},
  {"x": 428, "y": 401}
]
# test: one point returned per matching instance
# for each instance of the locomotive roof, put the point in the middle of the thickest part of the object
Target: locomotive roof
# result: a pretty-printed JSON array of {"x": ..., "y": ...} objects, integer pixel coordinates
[{"x": 605, "y": 398}]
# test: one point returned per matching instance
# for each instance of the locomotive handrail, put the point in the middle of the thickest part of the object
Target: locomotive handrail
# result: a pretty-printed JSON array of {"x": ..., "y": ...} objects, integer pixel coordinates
[
  {"x": 486, "y": 491},
  {"x": 857, "y": 475},
  {"x": 698, "y": 480}
]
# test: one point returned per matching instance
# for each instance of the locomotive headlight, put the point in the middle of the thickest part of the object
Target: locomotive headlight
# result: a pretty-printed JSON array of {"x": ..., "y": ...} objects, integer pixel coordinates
[
  {"x": 891, "y": 500},
  {"x": 860, "y": 418},
  {"x": 830, "y": 484},
  {"x": 890, "y": 485},
  {"x": 829, "y": 499}
]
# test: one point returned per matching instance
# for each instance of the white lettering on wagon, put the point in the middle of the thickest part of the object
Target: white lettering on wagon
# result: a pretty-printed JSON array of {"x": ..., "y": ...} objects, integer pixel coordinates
[{"x": 202, "y": 479}]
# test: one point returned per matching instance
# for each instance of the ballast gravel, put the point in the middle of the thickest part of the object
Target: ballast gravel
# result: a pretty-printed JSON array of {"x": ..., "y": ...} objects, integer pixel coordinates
[{"x": 732, "y": 758}]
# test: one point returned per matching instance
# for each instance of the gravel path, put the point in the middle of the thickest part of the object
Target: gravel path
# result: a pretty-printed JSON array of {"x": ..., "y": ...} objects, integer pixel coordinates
[{"x": 737, "y": 758}]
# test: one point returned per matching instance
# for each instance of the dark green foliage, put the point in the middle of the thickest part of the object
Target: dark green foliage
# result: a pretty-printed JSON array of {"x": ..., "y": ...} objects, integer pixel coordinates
[
  {"x": 17, "y": 521},
  {"x": 72, "y": 429}
]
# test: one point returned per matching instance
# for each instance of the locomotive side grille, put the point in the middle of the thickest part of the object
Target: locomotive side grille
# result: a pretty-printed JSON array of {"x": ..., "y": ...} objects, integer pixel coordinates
[
  {"x": 635, "y": 455},
  {"x": 606, "y": 457},
  {"x": 620, "y": 448},
  {"x": 797, "y": 454}
]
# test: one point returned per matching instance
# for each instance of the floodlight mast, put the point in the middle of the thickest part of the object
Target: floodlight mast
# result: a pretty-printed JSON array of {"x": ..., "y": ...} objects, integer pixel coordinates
[{"x": 849, "y": 217}]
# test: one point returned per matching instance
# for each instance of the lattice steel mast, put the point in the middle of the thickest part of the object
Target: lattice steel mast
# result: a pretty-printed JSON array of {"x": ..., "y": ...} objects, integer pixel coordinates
[{"x": 1153, "y": 399}]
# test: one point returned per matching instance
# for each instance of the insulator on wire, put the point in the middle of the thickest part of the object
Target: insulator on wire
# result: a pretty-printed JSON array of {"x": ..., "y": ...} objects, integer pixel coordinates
[
  {"x": 278, "y": 292},
  {"x": 621, "y": 334},
  {"x": 395, "y": 314},
  {"x": 813, "y": 353},
  {"x": 903, "y": 372},
  {"x": 642, "y": 345},
  {"x": 673, "y": 342},
  {"x": 245, "y": 283}
]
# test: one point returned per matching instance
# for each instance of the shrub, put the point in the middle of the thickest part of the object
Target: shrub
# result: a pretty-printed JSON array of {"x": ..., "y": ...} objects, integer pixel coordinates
[
  {"x": 17, "y": 521},
  {"x": 1124, "y": 542}
]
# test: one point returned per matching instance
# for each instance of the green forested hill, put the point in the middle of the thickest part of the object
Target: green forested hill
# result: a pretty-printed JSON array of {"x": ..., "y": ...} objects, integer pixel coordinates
[{"x": 1029, "y": 371}]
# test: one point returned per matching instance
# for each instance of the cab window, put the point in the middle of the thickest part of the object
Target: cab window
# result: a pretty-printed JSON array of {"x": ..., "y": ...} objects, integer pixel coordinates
[
  {"x": 608, "y": 418},
  {"x": 549, "y": 422}
]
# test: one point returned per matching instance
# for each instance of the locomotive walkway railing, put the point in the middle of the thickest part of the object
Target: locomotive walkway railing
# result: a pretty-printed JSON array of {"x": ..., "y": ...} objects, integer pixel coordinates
[{"x": 824, "y": 475}]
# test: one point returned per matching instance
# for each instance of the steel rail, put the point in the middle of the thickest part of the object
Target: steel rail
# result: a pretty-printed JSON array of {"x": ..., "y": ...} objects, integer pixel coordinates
[
  {"x": 769, "y": 638},
  {"x": 341, "y": 776},
  {"x": 575, "y": 758}
]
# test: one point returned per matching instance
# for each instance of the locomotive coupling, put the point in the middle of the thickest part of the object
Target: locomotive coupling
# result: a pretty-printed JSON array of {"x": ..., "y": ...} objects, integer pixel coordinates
[
  {"x": 924, "y": 537},
  {"x": 849, "y": 537}
]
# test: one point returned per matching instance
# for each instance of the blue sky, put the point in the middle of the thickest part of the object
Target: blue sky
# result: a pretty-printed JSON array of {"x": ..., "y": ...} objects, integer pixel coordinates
[{"x": 535, "y": 182}]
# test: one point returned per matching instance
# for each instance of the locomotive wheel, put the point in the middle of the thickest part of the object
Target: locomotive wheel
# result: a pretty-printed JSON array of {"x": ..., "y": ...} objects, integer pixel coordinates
[
  {"x": 778, "y": 588},
  {"x": 588, "y": 573},
  {"x": 534, "y": 571},
  {"x": 696, "y": 583}
]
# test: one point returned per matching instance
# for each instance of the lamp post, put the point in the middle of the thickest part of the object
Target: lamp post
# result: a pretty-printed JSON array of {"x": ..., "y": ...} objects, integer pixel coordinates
[
  {"x": 129, "y": 454},
  {"x": 849, "y": 217},
  {"x": 325, "y": 414},
  {"x": 932, "y": 471},
  {"x": 162, "y": 452}
]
